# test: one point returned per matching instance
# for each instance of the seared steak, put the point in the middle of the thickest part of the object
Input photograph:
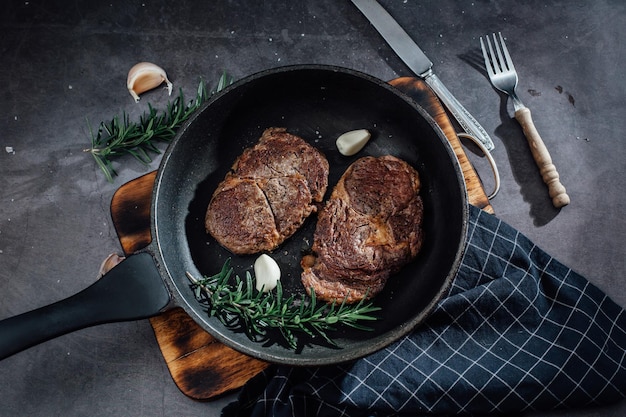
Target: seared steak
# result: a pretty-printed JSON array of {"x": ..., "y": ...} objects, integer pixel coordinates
[
  {"x": 369, "y": 228},
  {"x": 269, "y": 192}
]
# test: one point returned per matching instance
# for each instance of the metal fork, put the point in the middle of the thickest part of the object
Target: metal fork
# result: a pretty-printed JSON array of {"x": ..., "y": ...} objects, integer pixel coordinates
[{"x": 504, "y": 77}]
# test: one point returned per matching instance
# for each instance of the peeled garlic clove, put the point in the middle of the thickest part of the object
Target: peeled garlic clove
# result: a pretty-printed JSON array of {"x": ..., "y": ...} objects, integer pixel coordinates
[
  {"x": 352, "y": 142},
  {"x": 145, "y": 76},
  {"x": 266, "y": 272}
]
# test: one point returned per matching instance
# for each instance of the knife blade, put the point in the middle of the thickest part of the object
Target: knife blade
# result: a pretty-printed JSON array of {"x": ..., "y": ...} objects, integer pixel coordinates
[{"x": 418, "y": 62}]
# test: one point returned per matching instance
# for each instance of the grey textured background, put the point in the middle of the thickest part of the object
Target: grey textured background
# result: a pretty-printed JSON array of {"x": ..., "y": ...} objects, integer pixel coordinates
[{"x": 64, "y": 65}]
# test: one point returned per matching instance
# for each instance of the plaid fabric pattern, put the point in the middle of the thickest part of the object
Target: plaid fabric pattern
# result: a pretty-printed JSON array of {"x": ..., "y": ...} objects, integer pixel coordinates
[{"x": 518, "y": 331}]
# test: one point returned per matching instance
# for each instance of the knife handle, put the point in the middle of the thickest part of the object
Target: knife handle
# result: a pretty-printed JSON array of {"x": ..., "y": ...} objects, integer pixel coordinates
[
  {"x": 465, "y": 119},
  {"x": 542, "y": 158}
]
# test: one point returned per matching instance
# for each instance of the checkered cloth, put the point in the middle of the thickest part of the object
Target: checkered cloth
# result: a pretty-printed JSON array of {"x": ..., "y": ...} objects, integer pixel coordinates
[{"x": 518, "y": 331}]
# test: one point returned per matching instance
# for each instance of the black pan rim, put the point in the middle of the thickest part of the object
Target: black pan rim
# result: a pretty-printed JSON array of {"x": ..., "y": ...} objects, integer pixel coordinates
[{"x": 341, "y": 355}]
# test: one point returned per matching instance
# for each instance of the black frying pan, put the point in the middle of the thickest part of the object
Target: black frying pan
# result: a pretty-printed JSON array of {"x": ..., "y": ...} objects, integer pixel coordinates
[{"x": 317, "y": 103}]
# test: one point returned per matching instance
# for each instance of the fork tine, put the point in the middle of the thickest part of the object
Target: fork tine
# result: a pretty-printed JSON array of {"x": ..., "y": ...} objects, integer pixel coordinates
[
  {"x": 508, "y": 61},
  {"x": 497, "y": 67},
  {"x": 498, "y": 54},
  {"x": 486, "y": 57}
]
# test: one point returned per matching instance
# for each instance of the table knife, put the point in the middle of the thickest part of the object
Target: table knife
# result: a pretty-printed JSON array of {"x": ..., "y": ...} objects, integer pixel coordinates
[{"x": 419, "y": 63}]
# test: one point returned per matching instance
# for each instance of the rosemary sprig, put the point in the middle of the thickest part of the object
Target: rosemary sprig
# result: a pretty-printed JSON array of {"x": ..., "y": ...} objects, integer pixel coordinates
[
  {"x": 241, "y": 306},
  {"x": 121, "y": 136}
]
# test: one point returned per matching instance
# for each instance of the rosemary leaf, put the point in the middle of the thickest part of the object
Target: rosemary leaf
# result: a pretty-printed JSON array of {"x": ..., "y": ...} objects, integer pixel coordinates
[
  {"x": 120, "y": 136},
  {"x": 241, "y": 306}
]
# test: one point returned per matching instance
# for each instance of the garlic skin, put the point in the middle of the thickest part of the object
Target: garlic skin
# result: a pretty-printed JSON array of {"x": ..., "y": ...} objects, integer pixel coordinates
[
  {"x": 353, "y": 141},
  {"x": 266, "y": 273},
  {"x": 145, "y": 76},
  {"x": 109, "y": 263}
]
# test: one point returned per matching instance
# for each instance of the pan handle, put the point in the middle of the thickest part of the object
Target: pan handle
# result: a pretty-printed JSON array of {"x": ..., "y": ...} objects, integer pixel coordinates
[{"x": 132, "y": 290}]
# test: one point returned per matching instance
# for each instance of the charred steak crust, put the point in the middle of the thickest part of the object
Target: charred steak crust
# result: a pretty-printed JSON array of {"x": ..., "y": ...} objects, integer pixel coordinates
[
  {"x": 369, "y": 228},
  {"x": 270, "y": 190}
]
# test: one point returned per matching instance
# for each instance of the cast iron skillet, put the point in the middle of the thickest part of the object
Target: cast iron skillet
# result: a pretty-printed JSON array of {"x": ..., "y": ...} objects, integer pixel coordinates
[{"x": 317, "y": 103}]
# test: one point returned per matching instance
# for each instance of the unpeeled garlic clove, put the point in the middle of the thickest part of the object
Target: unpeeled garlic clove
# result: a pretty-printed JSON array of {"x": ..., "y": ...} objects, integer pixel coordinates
[
  {"x": 145, "y": 76},
  {"x": 109, "y": 263},
  {"x": 266, "y": 273},
  {"x": 353, "y": 141}
]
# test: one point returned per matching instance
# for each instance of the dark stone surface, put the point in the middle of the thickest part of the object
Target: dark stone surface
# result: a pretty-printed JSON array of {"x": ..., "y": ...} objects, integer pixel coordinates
[{"x": 64, "y": 67}]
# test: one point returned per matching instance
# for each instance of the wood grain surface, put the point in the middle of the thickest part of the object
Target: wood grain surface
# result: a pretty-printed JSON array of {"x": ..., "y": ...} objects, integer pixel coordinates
[
  {"x": 200, "y": 366},
  {"x": 423, "y": 95}
]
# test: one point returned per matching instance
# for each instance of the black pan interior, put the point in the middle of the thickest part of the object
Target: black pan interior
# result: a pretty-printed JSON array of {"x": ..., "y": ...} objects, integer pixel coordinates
[{"x": 317, "y": 103}]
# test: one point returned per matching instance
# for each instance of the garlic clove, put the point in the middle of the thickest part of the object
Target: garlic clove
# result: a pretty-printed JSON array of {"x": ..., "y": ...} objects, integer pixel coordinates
[
  {"x": 266, "y": 273},
  {"x": 145, "y": 76},
  {"x": 109, "y": 263},
  {"x": 353, "y": 141}
]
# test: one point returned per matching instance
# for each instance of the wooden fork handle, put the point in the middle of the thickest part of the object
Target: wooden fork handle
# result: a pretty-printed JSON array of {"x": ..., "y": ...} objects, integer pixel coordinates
[{"x": 542, "y": 158}]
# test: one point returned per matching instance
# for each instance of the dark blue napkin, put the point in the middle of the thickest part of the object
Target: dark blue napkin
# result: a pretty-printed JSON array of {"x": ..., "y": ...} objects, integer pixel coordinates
[{"x": 519, "y": 331}]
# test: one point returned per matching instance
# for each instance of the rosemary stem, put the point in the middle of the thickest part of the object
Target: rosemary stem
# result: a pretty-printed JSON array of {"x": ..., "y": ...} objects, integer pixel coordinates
[
  {"x": 259, "y": 312},
  {"x": 120, "y": 136}
]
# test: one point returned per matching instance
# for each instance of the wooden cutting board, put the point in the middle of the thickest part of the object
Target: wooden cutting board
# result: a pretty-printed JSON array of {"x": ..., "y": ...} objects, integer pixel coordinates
[{"x": 202, "y": 367}]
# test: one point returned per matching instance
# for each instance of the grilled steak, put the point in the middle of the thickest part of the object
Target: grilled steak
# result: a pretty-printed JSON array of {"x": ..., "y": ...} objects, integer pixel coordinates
[
  {"x": 269, "y": 192},
  {"x": 369, "y": 228}
]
